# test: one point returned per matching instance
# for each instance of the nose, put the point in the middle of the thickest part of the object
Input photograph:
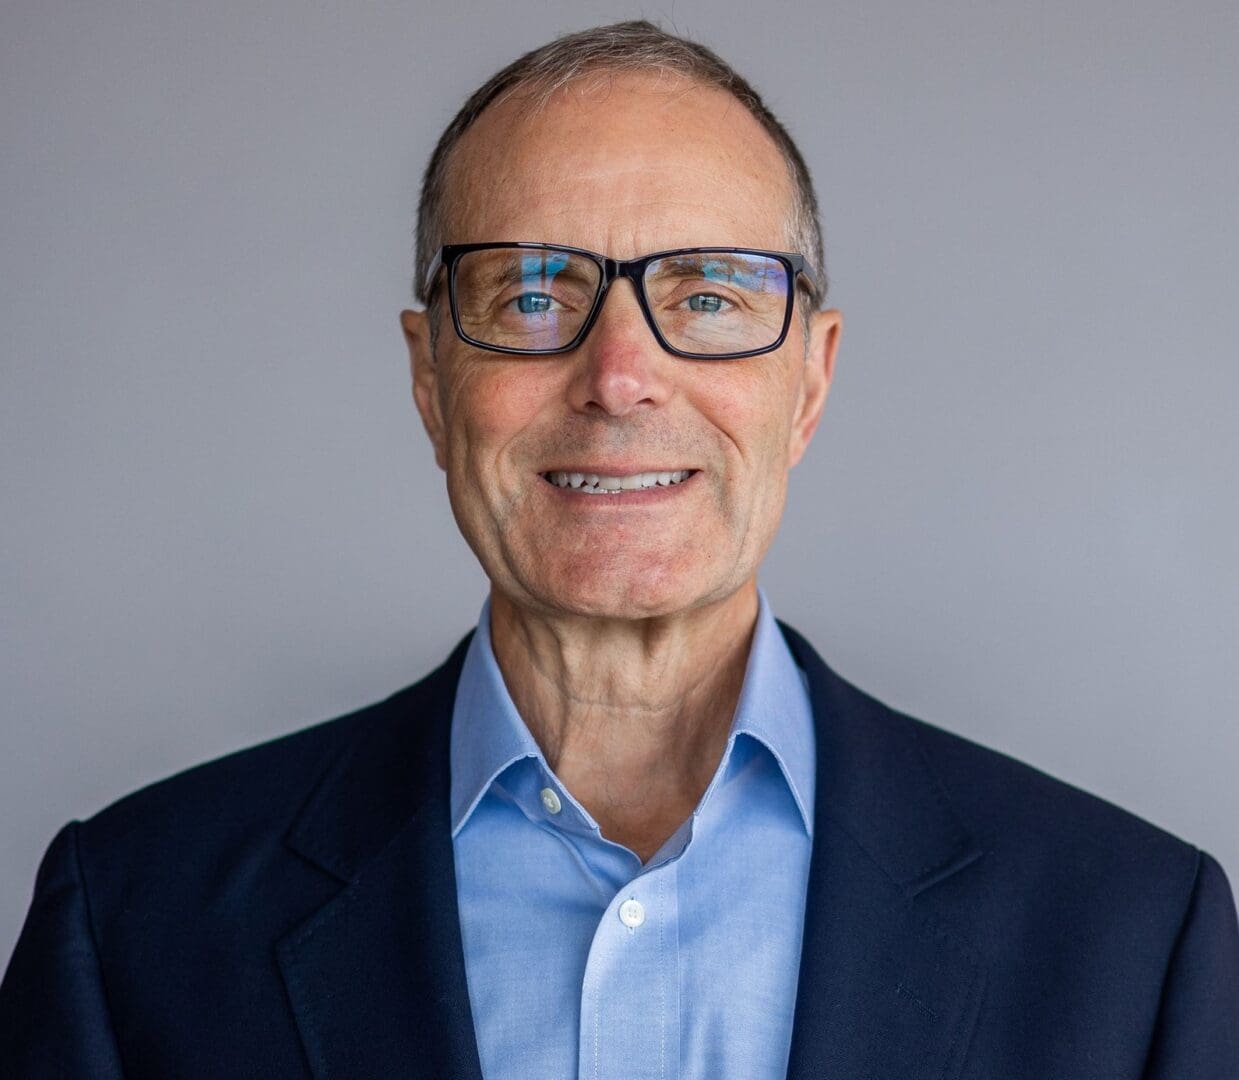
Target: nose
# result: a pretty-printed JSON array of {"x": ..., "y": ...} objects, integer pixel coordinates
[{"x": 620, "y": 365}]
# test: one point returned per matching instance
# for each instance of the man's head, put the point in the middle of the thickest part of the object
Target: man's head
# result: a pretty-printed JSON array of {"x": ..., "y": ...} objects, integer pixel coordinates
[{"x": 622, "y": 141}]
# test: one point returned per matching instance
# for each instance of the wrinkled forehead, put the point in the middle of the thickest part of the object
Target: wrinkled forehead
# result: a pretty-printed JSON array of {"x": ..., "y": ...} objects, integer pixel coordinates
[{"x": 624, "y": 163}]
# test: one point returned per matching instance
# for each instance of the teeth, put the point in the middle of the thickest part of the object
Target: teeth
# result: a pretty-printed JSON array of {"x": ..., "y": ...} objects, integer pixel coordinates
[{"x": 596, "y": 485}]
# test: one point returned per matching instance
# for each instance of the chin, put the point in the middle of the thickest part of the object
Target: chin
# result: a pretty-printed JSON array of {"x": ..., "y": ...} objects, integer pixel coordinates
[{"x": 621, "y": 592}]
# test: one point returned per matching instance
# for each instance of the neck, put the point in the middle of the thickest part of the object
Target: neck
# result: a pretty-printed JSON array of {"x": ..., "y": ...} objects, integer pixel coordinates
[{"x": 632, "y": 715}]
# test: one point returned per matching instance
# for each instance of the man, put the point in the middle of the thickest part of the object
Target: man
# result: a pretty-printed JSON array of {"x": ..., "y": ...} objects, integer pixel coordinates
[{"x": 633, "y": 827}]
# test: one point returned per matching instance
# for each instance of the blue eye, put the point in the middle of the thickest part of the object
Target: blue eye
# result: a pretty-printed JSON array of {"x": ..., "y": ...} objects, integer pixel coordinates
[
  {"x": 533, "y": 303},
  {"x": 706, "y": 302}
]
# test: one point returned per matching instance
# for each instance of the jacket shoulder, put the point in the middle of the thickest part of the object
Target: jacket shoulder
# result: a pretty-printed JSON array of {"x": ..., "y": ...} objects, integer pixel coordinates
[
  {"x": 232, "y": 816},
  {"x": 1033, "y": 825},
  {"x": 239, "y": 809},
  {"x": 1001, "y": 800},
  {"x": 1047, "y": 844},
  {"x": 1053, "y": 867},
  {"x": 258, "y": 786},
  {"x": 1000, "y": 794}
]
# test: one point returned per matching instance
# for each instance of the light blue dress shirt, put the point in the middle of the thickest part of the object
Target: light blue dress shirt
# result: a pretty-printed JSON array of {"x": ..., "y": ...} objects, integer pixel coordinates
[{"x": 581, "y": 961}]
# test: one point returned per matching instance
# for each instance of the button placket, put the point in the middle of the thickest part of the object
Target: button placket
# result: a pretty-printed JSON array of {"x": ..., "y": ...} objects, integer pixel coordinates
[{"x": 630, "y": 993}]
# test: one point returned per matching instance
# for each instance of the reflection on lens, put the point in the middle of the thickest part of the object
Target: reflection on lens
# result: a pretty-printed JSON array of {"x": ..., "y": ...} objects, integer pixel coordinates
[
  {"x": 524, "y": 298},
  {"x": 717, "y": 302}
]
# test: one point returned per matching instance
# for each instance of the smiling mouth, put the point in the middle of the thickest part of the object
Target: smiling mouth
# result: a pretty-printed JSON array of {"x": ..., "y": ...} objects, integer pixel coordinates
[{"x": 595, "y": 484}]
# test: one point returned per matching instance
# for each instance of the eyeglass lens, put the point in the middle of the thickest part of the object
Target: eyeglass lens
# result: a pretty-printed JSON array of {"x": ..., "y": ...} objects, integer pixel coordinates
[{"x": 709, "y": 303}]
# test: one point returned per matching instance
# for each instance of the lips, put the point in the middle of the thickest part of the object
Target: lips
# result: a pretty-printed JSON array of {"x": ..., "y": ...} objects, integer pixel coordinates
[{"x": 602, "y": 484}]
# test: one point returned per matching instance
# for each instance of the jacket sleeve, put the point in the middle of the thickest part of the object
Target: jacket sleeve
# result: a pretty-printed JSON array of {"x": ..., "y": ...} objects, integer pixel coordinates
[
  {"x": 54, "y": 1018},
  {"x": 1197, "y": 1031}
]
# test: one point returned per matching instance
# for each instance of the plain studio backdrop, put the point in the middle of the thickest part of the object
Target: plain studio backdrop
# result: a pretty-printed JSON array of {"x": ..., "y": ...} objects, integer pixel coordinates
[{"x": 221, "y": 519}]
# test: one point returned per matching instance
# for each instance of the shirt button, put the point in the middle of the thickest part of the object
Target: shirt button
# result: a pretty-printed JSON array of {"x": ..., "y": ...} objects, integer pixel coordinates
[
  {"x": 631, "y": 913},
  {"x": 550, "y": 801}
]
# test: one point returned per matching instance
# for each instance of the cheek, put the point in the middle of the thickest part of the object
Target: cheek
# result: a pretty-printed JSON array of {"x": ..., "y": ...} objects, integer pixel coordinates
[
  {"x": 489, "y": 404},
  {"x": 752, "y": 418},
  {"x": 751, "y": 408}
]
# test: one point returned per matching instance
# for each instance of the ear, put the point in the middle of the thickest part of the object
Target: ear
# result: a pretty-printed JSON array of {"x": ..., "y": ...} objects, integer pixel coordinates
[
  {"x": 825, "y": 327},
  {"x": 425, "y": 375}
]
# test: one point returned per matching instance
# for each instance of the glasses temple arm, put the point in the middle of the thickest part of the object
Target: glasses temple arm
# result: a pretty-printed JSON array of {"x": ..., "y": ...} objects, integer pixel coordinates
[{"x": 432, "y": 272}]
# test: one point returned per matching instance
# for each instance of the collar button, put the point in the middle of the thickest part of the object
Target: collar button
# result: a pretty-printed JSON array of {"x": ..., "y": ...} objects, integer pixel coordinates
[{"x": 550, "y": 801}]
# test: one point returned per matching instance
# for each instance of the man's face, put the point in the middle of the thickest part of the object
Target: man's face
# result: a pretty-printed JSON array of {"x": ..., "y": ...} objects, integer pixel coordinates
[{"x": 634, "y": 166}]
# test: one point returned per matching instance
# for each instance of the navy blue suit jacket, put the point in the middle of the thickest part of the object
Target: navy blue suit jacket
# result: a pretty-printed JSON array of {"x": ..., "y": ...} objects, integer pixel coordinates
[{"x": 290, "y": 911}]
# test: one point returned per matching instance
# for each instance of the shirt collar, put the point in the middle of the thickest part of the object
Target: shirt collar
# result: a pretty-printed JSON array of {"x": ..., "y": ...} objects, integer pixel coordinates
[
  {"x": 488, "y": 734},
  {"x": 774, "y": 708}
]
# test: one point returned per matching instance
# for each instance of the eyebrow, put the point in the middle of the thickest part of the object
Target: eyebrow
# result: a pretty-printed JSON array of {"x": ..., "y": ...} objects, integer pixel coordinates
[
  {"x": 737, "y": 272},
  {"x": 524, "y": 267}
]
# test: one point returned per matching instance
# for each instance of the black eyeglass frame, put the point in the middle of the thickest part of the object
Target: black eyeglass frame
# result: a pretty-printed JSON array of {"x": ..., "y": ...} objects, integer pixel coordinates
[{"x": 448, "y": 257}]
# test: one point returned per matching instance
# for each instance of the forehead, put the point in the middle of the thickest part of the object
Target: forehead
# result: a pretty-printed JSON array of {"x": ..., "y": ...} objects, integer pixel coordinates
[{"x": 625, "y": 164}]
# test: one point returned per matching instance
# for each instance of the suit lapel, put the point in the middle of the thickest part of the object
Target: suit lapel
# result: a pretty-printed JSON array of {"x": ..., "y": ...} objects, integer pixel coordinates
[
  {"x": 884, "y": 990},
  {"x": 376, "y": 977}
]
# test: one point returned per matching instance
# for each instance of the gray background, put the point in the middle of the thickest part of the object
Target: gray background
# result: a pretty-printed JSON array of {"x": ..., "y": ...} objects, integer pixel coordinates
[{"x": 221, "y": 520}]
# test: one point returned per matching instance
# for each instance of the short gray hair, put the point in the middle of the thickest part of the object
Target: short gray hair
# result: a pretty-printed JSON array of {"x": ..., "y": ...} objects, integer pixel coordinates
[{"x": 621, "y": 47}]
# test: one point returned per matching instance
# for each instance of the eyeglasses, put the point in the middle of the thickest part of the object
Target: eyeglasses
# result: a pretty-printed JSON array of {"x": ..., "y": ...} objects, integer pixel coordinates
[{"x": 529, "y": 299}]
